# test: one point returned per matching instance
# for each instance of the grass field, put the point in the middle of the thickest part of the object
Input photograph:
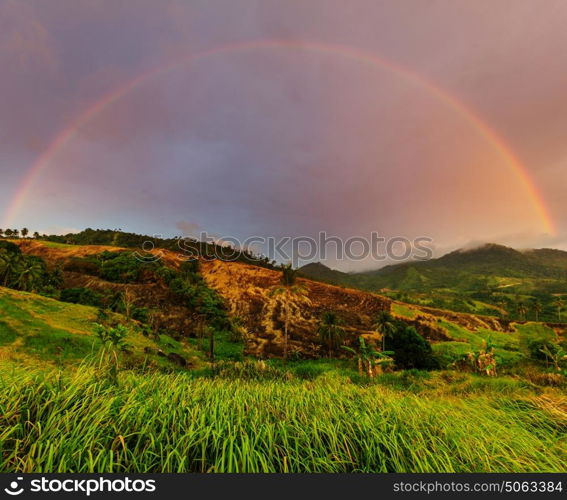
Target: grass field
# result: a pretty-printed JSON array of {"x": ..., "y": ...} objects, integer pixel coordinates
[
  {"x": 52, "y": 421},
  {"x": 59, "y": 412}
]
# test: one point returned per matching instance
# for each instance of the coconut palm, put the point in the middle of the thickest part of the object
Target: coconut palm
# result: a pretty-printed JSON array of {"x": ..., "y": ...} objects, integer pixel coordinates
[
  {"x": 537, "y": 309},
  {"x": 522, "y": 310},
  {"x": 288, "y": 291},
  {"x": 330, "y": 331},
  {"x": 29, "y": 274},
  {"x": 9, "y": 263},
  {"x": 385, "y": 325},
  {"x": 559, "y": 304},
  {"x": 502, "y": 306}
]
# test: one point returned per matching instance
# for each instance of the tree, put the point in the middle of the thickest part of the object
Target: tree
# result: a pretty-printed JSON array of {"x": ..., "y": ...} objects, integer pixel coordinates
[
  {"x": 330, "y": 331},
  {"x": 537, "y": 309},
  {"x": 288, "y": 292},
  {"x": 9, "y": 263},
  {"x": 484, "y": 360},
  {"x": 502, "y": 304},
  {"x": 25, "y": 232},
  {"x": 410, "y": 349},
  {"x": 385, "y": 325},
  {"x": 29, "y": 274},
  {"x": 556, "y": 354},
  {"x": 522, "y": 310},
  {"x": 368, "y": 358},
  {"x": 15, "y": 233},
  {"x": 36, "y": 235},
  {"x": 8, "y": 233},
  {"x": 128, "y": 302},
  {"x": 112, "y": 339},
  {"x": 1, "y": 233},
  {"x": 559, "y": 304}
]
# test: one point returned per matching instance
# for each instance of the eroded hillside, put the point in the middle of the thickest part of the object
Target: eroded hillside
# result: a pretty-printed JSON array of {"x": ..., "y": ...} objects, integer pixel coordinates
[{"x": 249, "y": 292}]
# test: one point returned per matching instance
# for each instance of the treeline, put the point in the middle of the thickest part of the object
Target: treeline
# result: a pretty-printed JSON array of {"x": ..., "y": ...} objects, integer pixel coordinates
[
  {"x": 189, "y": 246},
  {"x": 15, "y": 233}
]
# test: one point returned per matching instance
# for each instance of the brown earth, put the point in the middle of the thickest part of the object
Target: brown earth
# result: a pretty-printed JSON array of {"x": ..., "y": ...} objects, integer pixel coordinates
[{"x": 248, "y": 292}]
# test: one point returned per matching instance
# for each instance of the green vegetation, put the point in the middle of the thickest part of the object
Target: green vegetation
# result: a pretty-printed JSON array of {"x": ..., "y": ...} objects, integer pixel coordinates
[
  {"x": 330, "y": 331},
  {"x": 26, "y": 272},
  {"x": 53, "y": 421},
  {"x": 39, "y": 330},
  {"x": 409, "y": 349},
  {"x": 189, "y": 247},
  {"x": 490, "y": 280},
  {"x": 91, "y": 383}
]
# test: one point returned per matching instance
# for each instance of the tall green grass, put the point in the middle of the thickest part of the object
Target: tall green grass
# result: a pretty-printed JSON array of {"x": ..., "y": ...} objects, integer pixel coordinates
[{"x": 54, "y": 422}]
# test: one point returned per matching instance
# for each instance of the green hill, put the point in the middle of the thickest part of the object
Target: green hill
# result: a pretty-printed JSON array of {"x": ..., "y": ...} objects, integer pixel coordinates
[
  {"x": 484, "y": 280},
  {"x": 39, "y": 329}
]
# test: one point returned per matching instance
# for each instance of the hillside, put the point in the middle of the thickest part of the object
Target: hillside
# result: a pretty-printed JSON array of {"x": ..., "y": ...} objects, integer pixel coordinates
[
  {"x": 247, "y": 291},
  {"x": 491, "y": 279},
  {"x": 200, "y": 384},
  {"x": 36, "y": 329}
]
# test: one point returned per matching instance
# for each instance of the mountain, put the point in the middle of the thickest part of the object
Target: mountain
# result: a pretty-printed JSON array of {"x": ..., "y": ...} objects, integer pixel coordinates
[
  {"x": 491, "y": 274},
  {"x": 490, "y": 260},
  {"x": 320, "y": 272}
]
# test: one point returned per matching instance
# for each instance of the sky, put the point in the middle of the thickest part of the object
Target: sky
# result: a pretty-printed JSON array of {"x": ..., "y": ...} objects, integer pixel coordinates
[{"x": 443, "y": 119}]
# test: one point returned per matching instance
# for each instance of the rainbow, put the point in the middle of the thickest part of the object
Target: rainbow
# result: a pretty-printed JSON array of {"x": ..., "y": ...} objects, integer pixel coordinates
[{"x": 69, "y": 133}]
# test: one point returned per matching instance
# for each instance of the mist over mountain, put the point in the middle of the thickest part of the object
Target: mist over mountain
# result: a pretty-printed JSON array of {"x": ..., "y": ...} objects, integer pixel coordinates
[{"x": 489, "y": 273}]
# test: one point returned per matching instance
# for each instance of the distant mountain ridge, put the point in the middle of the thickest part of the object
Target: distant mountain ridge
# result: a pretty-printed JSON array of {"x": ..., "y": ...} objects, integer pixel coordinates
[{"x": 461, "y": 269}]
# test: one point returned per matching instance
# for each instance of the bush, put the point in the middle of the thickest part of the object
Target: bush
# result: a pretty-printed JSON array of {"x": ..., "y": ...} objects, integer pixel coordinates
[
  {"x": 121, "y": 267},
  {"x": 83, "y": 266},
  {"x": 536, "y": 349},
  {"x": 83, "y": 296},
  {"x": 410, "y": 349}
]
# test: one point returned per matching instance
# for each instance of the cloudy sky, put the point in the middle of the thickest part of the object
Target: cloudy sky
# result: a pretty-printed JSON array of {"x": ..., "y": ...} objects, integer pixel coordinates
[{"x": 438, "y": 118}]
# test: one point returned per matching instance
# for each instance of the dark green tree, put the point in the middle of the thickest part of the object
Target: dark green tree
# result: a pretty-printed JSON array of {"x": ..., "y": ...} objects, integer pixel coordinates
[
  {"x": 330, "y": 331},
  {"x": 410, "y": 349}
]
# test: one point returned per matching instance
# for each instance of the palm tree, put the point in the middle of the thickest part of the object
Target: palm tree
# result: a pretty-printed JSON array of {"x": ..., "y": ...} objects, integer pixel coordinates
[
  {"x": 522, "y": 310},
  {"x": 9, "y": 263},
  {"x": 36, "y": 235},
  {"x": 559, "y": 304},
  {"x": 385, "y": 325},
  {"x": 15, "y": 233},
  {"x": 25, "y": 232},
  {"x": 366, "y": 357},
  {"x": 502, "y": 305},
  {"x": 288, "y": 291},
  {"x": 330, "y": 331},
  {"x": 537, "y": 309},
  {"x": 29, "y": 275},
  {"x": 554, "y": 353}
]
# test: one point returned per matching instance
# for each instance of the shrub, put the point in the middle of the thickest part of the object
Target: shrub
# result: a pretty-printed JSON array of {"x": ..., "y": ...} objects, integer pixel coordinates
[
  {"x": 83, "y": 266},
  {"x": 540, "y": 348},
  {"x": 83, "y": 296},
  {"x": 410, "y": 349}
]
